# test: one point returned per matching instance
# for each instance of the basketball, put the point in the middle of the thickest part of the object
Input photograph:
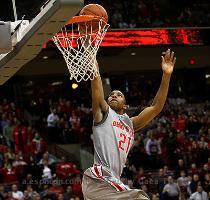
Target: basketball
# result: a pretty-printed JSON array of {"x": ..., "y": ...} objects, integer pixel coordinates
[{"x": 95, "y": 10}]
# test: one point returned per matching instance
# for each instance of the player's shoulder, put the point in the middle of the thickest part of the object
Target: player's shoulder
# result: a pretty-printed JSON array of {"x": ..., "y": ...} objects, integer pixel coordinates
[{"x": 105, "y": 116}]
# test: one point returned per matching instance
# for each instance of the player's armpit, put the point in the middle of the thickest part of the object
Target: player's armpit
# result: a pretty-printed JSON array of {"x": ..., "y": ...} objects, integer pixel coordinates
[
  {"x": 98, "y": 111},
  {"x": 144, "y": 117}
]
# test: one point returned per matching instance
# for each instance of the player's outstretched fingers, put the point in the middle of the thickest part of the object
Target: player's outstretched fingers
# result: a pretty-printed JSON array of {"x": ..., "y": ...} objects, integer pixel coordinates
[
  {"x": 167, "y": 55},
  {"x": 172, "y": 56},
  {"x": 174, "y": 61}
]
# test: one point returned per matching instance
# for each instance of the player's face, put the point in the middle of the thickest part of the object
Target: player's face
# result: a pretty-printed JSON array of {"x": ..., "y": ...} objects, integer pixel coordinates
[{"x": 116, "y": 100}]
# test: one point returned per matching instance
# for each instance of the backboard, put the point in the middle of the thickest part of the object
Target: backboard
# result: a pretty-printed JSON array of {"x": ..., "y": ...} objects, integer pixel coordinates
[{"x": 31, "y": 35}]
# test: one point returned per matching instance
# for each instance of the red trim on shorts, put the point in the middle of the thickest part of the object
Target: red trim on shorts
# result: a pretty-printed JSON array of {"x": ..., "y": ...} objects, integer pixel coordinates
[
  {"x": 97, "y": 172},
  {"x": 118, "y": 187},
  {"x": 114, "y": 184}
]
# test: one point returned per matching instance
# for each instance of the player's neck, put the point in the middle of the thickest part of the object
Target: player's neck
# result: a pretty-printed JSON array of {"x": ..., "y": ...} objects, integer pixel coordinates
[{"x": 119, "y": 112}]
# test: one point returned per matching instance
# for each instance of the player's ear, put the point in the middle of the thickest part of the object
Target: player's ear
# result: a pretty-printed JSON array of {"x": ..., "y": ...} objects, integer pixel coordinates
[{"x": 125, "y": 107}]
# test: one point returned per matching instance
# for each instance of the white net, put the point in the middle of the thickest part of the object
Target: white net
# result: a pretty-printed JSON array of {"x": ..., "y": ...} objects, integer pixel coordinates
[{"x": 79, "y": 47}]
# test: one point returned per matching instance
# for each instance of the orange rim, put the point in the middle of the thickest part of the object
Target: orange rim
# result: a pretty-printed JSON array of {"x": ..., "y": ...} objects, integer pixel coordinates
[{"x": 83, "y": 18}]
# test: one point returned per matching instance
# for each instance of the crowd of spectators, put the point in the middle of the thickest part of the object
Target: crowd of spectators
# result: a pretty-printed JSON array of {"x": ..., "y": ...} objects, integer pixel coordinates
[
  {"x": 171, "y": 154},
  {"x": 69, "y": 124},
  {"x": 154, "y": 13},
  {"x": 27, "y": 170}
]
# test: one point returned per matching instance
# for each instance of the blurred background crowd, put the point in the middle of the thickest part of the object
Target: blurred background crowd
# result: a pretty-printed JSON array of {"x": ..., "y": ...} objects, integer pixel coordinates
[
  {"x": 173, "y": 149},
  {"x": 170, "y": 158},
  {"x": 134, "y": 14},
  {"x": 157, "y": 13}
]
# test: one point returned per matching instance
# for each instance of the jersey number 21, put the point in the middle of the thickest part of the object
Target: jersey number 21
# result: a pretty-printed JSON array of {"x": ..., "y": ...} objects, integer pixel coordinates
[{"x": 123, "y": 144}]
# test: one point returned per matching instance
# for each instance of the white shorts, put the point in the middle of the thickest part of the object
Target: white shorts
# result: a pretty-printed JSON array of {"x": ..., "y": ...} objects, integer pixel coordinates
[{"x": 95, "y": 186}]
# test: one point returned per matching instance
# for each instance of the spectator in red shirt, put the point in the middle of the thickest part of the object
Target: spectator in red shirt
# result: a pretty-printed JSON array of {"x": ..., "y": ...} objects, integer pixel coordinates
[
  {"x": 182, "y": 146},
  {"x": 190, "y": 142},
  {"x": 62, "y": 104},
  {"x": 38, "y": 147},
  {"x": 30, "y": 133},
  {"x": 75, "y": 124},
  {"x": 194, "y": 169},
  {"x": 56, "y": 188},
  {"x": 159, "y": 132},
  {"x": 172, "y": 118},
  {"x": 5, "y": 105},
  {"x": 193, "y": 152},
  {"x": 76, "y": 186},
  {"x": 20, "y": 166},
  {"x": 180, "y": 123},
  {"x": 28, "y": 151},
  {"x": 17, "y": 137},
  {"x": 182, "y": 140},
  {"x": 9, "y": 175},
  {"x": 3, "y": 149},
  {"x": 65, "y": 170},
  {"x": 24, "y": 133}
]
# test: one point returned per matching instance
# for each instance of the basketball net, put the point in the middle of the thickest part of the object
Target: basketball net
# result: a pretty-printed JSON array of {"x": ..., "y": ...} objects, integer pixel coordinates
[{"x": 79, "y": 44}]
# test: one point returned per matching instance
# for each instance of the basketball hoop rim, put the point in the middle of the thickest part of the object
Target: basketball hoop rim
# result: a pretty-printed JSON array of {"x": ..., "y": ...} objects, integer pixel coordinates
[{"x": 84, "y": 18}]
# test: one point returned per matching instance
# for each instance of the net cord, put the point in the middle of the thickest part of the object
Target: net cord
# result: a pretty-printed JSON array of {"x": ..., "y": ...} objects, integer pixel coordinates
[{"x": 79, "y": 50}]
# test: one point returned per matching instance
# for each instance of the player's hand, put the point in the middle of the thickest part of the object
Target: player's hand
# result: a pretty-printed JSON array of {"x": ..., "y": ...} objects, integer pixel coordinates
[{"x": 168, "y": 62}]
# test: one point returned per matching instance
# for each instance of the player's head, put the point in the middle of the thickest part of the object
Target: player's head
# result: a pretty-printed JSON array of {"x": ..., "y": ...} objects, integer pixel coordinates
[{"x": 116, "y": 100}]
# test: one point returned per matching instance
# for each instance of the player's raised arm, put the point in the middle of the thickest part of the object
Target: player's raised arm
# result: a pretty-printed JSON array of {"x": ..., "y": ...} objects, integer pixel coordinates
[
  {"x": 99, "y": 105},
  {"x": 168, "y": 62}
]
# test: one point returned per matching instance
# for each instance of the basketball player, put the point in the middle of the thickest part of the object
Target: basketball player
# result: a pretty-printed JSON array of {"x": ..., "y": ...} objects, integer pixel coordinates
[{"x": 113, "y": 136}]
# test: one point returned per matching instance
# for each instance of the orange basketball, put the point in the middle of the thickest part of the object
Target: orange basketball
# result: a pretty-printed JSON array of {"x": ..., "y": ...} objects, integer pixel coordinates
[{"x": 95, "y": 10}]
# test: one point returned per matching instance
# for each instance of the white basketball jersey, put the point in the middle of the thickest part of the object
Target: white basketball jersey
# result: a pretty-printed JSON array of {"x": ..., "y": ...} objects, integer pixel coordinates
[{"x": 113, "y": 138}]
